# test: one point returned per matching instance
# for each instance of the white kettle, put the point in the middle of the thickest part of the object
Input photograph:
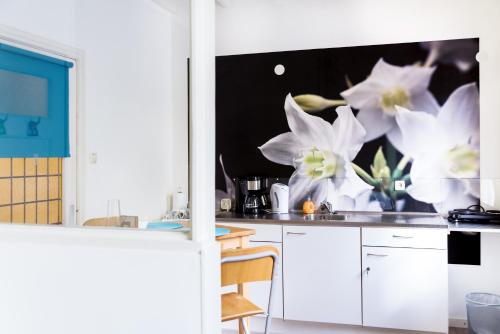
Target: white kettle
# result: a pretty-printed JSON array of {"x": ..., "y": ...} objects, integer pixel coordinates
[{"x": 279, "y": 198}]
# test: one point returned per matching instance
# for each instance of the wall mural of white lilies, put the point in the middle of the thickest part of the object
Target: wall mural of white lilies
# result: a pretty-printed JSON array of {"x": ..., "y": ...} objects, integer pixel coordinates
[{"x": 405, "y": 112}]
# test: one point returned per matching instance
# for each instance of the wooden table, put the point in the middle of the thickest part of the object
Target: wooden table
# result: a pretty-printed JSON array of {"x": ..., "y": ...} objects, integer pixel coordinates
[{"x": 237, "y": 238}]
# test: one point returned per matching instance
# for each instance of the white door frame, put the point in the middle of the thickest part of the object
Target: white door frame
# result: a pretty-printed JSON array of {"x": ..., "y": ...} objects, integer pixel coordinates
[
  {"x": 72, "y": 166},
  {"x": 202, "y": 159}
]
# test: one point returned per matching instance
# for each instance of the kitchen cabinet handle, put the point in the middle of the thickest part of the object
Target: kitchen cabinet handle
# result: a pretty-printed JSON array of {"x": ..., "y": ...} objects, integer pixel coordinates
[
  {"x": 402, "y": 236},
  {"x": 378, "y": 255},
  {"x": 296, "y": 233}
]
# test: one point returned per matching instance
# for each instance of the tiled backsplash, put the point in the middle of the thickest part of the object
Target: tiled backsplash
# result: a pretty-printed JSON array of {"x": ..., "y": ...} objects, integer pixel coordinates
[{"x": 31, "y": 190}]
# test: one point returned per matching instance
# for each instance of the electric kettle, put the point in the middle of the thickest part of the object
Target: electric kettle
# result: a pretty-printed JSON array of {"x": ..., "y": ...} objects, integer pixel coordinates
[{"x": 279, "y": 198}]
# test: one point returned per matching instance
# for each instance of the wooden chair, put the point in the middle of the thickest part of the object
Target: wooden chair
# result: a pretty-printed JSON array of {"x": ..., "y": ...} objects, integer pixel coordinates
[
  {"x": 121, "y": 221},
  {"x": 247, "y": 265}
]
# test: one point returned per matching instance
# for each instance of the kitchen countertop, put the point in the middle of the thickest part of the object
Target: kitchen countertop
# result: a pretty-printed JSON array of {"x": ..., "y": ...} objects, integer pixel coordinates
[
  {"x": 474, "y": 227},
  {"x": 360, "y": 219}
]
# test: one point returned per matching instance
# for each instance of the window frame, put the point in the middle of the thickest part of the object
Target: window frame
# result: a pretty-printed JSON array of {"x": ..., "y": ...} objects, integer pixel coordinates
[{"x": 72, "y": 181}]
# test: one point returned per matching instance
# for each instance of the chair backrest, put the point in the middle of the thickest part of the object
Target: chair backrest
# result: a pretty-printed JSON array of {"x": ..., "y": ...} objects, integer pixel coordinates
[
  {"x": 248, "y": 265},
  {"x": 121, "y": 221}
]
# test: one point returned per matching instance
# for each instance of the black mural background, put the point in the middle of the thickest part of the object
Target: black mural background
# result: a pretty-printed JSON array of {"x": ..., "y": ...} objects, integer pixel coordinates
[{"x": 250, "y": 98}]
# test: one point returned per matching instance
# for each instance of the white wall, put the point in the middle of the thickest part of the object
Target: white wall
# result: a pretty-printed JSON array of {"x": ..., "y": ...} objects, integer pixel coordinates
[
  {"x": 279, "y": 25},
  {"x": 61, "y": 280},
  {"x": 135, "y": 96}
]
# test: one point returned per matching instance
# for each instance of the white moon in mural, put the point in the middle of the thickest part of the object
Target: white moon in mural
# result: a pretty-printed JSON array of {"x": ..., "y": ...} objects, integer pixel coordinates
[{"x": 279, "y": 69}]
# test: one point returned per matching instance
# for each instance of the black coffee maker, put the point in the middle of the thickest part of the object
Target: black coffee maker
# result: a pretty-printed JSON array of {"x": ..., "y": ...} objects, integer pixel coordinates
[{"x": 252, "y": 194}]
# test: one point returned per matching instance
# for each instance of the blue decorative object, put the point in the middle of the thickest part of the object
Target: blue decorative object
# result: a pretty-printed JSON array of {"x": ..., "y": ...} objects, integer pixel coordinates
[
  {"x": 33, "y": 128},
  {"x": 220, "y": 231},
  {"x": 3, "y": 130},
  {"x": 34, "y": 91},
  {"x": 163, "y": 226}
]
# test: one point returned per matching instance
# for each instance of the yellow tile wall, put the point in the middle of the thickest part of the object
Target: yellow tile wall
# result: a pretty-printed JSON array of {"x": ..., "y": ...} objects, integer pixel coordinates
[{"x": 31, "y": 190}]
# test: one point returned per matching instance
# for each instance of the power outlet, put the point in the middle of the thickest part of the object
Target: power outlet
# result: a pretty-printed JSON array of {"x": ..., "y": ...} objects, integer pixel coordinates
[{"x": 399, "y": 185}]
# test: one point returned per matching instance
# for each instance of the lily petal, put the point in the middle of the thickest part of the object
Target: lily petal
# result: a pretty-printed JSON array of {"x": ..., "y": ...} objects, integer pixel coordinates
[
  {"x": 300, "y": 186},
  {"x": 425, "y": 102},
  {"x": 323, "y": 190},
  {"x": 472, "y": 186},
  {"x": 420, "y": 130},
  {"x": 364, "y": 95},
  {"x": 352, "y": 184},
  {"x": 344, "y": 203},
  {"x": 396, "y": 138},
  {"x": 457, "y": 197},
  {"x": 348, "y": 133},
  {"x": 415, "y": 79},
  {"x": 375, "y": 122},
  {"x": 364, "y": 203},
  {"x": 461, "y": 113},
  {"x": 282, "y": 149},
  {"x": 428, "y": 184},
  {"x": 230, "y": 186},
  {"x": 312, "y": 131}
]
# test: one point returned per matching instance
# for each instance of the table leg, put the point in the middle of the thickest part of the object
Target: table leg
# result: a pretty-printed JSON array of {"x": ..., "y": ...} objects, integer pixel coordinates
[{"x": 243, "y": 290}]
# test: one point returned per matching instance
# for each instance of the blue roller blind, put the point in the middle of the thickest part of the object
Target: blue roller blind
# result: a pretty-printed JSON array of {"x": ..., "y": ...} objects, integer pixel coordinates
[{"x": 34, "y": 104}]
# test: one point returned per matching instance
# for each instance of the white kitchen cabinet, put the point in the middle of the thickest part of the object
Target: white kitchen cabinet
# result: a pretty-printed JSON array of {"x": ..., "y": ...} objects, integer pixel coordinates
[
  {"x": 322, "y": 276},
  {"x": 405, "y": 288}
]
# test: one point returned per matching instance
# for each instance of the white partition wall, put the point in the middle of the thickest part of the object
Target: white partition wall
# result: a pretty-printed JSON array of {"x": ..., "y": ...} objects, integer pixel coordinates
[{"x": 60, "y": 280}]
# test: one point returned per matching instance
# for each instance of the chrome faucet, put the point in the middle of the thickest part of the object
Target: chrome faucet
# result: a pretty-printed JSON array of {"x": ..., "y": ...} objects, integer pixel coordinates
[{"x": 327, "y": 207}]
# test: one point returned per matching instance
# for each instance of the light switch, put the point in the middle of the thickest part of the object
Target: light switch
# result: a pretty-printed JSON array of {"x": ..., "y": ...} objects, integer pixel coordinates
[
  {"x": 399, "y": 185},
  {"x": 93, "y": 158}
]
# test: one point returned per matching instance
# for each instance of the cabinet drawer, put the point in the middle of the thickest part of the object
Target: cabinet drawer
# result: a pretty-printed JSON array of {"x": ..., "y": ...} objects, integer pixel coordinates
[
  {"x": 405, "y": 237},
  {"x": 263, "y": 232}
]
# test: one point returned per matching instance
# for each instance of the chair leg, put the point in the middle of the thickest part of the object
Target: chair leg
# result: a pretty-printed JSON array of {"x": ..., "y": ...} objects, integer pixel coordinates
[
  {"x": 244, "y": 325},
  {"x": 268, "y": 324}
]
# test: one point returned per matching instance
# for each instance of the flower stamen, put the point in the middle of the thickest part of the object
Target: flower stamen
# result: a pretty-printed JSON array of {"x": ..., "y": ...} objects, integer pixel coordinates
[
  {"x": 395, "y": 97},
  {"x": 463, "y": 161},
  {"x": 319, "y": 163}
]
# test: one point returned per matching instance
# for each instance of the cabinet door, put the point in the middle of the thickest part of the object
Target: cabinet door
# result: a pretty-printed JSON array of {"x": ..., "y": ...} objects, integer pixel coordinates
[
  {"x": 322, "y": 274},
  {"x": 405, "y": 288}
]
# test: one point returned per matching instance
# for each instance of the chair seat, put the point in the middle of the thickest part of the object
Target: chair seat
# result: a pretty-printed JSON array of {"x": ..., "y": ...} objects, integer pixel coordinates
[{"x": 236, "y": 306}]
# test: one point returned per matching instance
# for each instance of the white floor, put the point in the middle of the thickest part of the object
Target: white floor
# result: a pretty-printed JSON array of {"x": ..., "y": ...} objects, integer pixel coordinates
[{"x": 298, "y": 327}]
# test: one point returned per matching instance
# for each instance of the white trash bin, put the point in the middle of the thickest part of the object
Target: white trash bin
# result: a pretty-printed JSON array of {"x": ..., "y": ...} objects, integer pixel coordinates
[{"x": 483, "y": 313}]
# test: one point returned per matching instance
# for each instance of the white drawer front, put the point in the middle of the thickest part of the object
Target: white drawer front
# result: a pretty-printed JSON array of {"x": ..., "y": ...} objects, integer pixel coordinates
[
  {"x": 405, "y": 237},
  {"x": 263, "y": 232}
]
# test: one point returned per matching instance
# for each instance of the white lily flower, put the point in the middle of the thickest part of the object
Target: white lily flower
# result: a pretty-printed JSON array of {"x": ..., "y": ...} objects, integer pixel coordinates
[
  {"x": 445, "y": 151},
  {"x": 386, "y": 87},
  {"x": 321, "y": 154},
  {"x": 459, "y": 52}
]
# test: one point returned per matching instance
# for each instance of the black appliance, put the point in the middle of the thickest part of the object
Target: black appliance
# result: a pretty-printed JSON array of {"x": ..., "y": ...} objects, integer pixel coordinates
[
  {"x": 252, "y": 194},
  {"x": 474, "y": 214}
]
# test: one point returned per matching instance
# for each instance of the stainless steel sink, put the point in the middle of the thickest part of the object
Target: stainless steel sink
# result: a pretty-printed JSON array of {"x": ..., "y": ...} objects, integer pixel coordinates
[{"x": 325, "y": 216}]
